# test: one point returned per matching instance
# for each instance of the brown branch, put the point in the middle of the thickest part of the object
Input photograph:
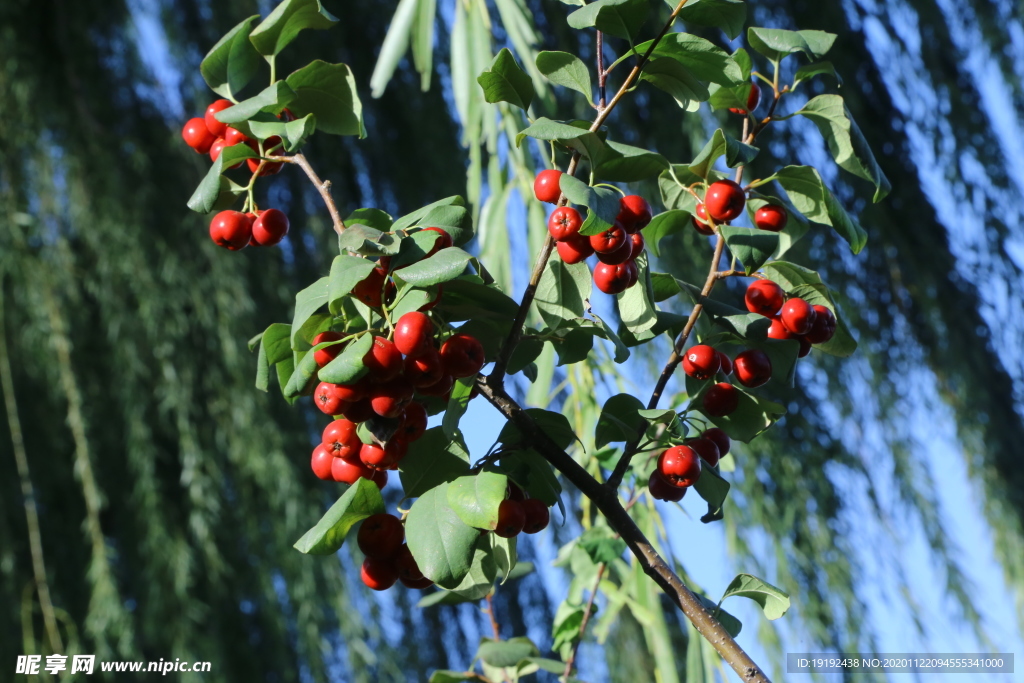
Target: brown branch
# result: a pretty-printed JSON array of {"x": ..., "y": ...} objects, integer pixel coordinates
[
  {"x": 494, "y": 618},
  {"x": 607, "y": 501},
  {"x": 322, "y": 186},
  {"x": 583, "y": 624}
]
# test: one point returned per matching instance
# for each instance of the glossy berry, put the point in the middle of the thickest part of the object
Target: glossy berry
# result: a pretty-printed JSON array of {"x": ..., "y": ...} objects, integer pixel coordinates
[
  {"x": 636, "y": 241},
  {"x": 575, "y": 249},
  {"x": 359, "y": 411},
  {"x": 379, "y": 478},
  {"x": 726, "y": 363},
  {"x": 269, "y": 167},
  {"x": 798, "y": 316},
  {"x": 700, "y": 220},
  {"x": 390, "y": 398},
  {"x": 545, "y": 186},
  {"x": 764, "y": 297},
  {"x": 707, "y": 449},
  {"x": 233, "y": 136},
  {"x": 327, "y": 399},
  {"x": 345, "y": 472},
  {"x": 462, "y": 356},
  {"x": 662, "y": 490},
  {"x": 778, "y": 330},
  {"x": 753, "y": 99},
  {"x": 383, "y": 360},
  {"x": 381, "y": 536},
  {"x": 805, "y": 347},
  {"x": 328, "y": 353},
  {"x": 720, "y": 400},
  {"x": 322, "y": 461},
  {"x": 341, "y": 440},
  {"x": 414, "y": 422},
  {"x": 824, "y": 327},
  {"x": 215, "y": 127},
  {"x": 771, "y": 217},
  {"x": 270, "y": 227},
  {"x": 608, "y": 241},
  {"x": 197, "y": 136},
  {"x": 679, "y": 466},
  {"x": 371, "y": 288},
  {"x": 424, "y": 370},
  {"x": 231, "y": 230},
  {"x": 350, "y": 393},
  {"x": 634, "y": 213},
  {"x": 613, "y": 279},
  {"x": 537, "y": 515},
  {"x": 511, "y": 518},
  {"x": 408, "y": 571},
  {"x": 564, "y": 222},
  {"x": 441, "y": 387},
  {"x": 514, "y": 492},
  {"x": 379, "y": 575},
  {"x": 620, "y": 255},
  {"x": 443, "y": 241},
  {"x": 753, "y": 368},
  {"x": 724, "y": 201},
  {"x": 701, "y": 362},
  {"x": 377, "y": 457},
  {"x": 413, "y": 333},
  {"x": 720, "y": 438}
]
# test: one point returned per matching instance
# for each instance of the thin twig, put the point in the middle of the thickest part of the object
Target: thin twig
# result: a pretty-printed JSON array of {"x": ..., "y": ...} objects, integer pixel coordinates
[
  {"x": 322, "y": 186},
  {"x": 602, "y": 75},
  {"x": 494, "y": 618},
  {"x": 583, "y": 624}
]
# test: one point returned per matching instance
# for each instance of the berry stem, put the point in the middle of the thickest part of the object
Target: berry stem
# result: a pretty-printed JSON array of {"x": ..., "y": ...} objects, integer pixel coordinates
[{"x": 322, "y": 186}]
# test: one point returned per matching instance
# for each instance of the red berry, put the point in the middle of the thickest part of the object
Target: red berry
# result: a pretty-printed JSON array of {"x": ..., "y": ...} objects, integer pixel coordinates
[
  {"x": 679, "y": 466},
  {"x": 327, "y": 399},
  {"x": 778, "y": 330},
  {"x": 378, "y": 458},
  {"x": 341, "y": 440},
  {"x": 634, "y": 213},
  {"x": 720, "y": 438},
  {"x": 753, "y": 368},
  {"x": 633, "y": 273},
  {"x": 231, "y": 230},
  {"x": 511, "y": 518},
  {"x": 269, "y": 167},
  {"x": 408, "y": 570},
  {"x": 350, "y": 393},
  {"x": 805, "y": 347},
  {"x": 724, "y": 201},
  {"x": 371, "y": 288},
  {"x": 575, "y": 249},
  {"x": 359, "y": 411},
  {"x": 441, "y": 387},
  {"x": 608, "y": 241},
  {"x": 216, "y": 148},
  {"x": 413, "y": 333},
  {"x": 564, "y": 222},
  {"x": 537, "y": 515},
  {"x": 824, "y": 326},
  {"x": 383, "y": 360},
  {"x": 662, "y": 490},
  {"x": 270, "y": 227},
  {"x": 424, "y": 370},
  {"x": 443, "y": 241},
  {"x": 379, "y": 477},
  {"x": 764, "y": 297},
  {"x": 701, "y": 362},
  {"x": 636, "y": 241},
  {"x": 328, "y": 353},
  {"x": 380, "y": 536},
  {"x": 798, "y": 316},
  {"x": 414, "y": 422},
  {"x": 707, "y": 449},
  {"x": 620, "y": 255},
  {"x": 390, "y": 398},
  {"x": 379, "y": 575},
  {"x": 545, "y": 186},
  {"x": 233, "y": 136},
  {"x": 613, "y": 279},
  {"x": 721, "y": 399},
  {"x": 462, "y": 356},
  {"x": 215, "y": 127},
  {"x": 346, "y": 472},
  {"x": 726, "y": 362},
  {"x": 515, "y": 492},
  {"x": 753, "y": 99},
  {"x": 420, "y": 583},
  {"x": 197, "y": 136},
  {"x": 322, "y": 461},
  {"x": 700, "y": 221},
  {"x": 771, "y": 217}
]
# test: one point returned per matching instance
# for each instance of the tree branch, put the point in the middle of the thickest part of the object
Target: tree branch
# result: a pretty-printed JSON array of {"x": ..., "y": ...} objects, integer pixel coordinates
[
  {"x": 583, "y": 624},
  {"x": 322, "y": 186}
]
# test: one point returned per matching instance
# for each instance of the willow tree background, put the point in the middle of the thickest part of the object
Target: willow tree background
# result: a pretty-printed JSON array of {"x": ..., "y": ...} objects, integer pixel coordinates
[{"x": 164, "y": 502}]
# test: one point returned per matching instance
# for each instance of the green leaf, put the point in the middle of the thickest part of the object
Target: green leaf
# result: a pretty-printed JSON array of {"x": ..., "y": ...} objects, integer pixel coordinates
[
  {"x": 462, "y": 390},
  {"x": 621, "y": 18},
  {"x": 232, "y": 62},
  {"x": 307, "y": 302},
  {"x": 505, "y": 653},
  {"x": 845, "y": 141},
  {"x": 752, "y": 326},
  {"x": 479, "y": 580},
  {"x": 729, "y": 97},
  {"x": 348, "y": 366},
  {"x": 567, "y": 70},
  {"x": 447, "y": 675},
  {"x": 423, "y": 40},
  {"x": 372, "y": 218},
  {"x": 776, "y": 43},
  {"x": 456, "y": 220},
  {"x": 712, "y": 488},
  {"x": 669, "y": 75},
  {"x": 441, "y": 542},
  {"x": 228, "y": 193},
  {"x": 636, "y": 308},
  {"x": 752, "y": 247},
  {"x": 562, "y": 291},
  {"x": 601, "y": 545},
  {"x": 619, "y": 420},
  {"x": 661, "y": 226},
  {"x": 416, "y": 217},
  {"x": 346, "y": 273},
  {"x": 604, "y": 203},
  {"x": 286, "y": 21},
  {"x": 361, "y": 500},
  {"x": 505, "y": 81},
  {"x": 531, "y": 472},
  {"x": 505, "y": 555},
  {"x": 271, "y": 100},
  {"x": 728, "y": 15},
  {"x": 275, "y": 346},
  {"x": 555, "y": 425},
  {"x": 774, "y": 601},
  {"x": 727, "y": 620},
  {"x": 753, "y": 415},
  {"x": 808, "y": 71},
  {"x": 735, "y": 152},
  {"x": 701, "y": 58},
  {"x": 432, "y": 460},
  {"x": 621, "y": 350},
  {"x": 579, "y": 139},
  {"x": 292, "y": 133},
  {"x": 665, "y": 286},
  {"x": 395, "y": 43},
  {"x": 368, "y": 241},
  {"x": 210, "y": 190},
  {"x": 328, "y": 91},
  {"x": 466, "y": 300},
  {"x": 808, "y": 193},
  {"x": 443, "y": 266},
  {"x": 626, "y": 164}
]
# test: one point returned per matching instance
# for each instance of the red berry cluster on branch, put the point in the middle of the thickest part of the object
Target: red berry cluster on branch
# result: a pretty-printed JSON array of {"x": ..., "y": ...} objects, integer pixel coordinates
[
  {"x": 724, "y": 202},
  {"x": 680, "y": 467},
  {"x": 792, "y": 318}
]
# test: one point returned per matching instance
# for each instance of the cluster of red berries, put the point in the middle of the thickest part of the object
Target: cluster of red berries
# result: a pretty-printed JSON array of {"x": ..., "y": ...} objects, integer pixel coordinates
[
  {"x": 724, "y": 202},
  {"x": 792, "y": 318},
  {"x": 388, "y": 390},
  {"x": 679, "y": 467},
  {"x": 235, "y": 230},
  {"x": 616, "y": 248},
  {"x": 752, "y": 368},
  {"x": 388, "y": 559}
]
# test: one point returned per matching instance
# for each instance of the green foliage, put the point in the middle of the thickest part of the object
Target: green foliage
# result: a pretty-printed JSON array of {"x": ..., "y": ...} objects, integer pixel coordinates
[
  {"x": 359, "y": 501},
  {"x": 622, "y": 18},
  {"x": 232, "y": 61},
  {"x": 328, "y": 92},
  {"x": 284, "y": 24},
  {"x": 505, "y": 81},
  {"x": 566, "y": 70},
  {"x": 773, "y": 601}
]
